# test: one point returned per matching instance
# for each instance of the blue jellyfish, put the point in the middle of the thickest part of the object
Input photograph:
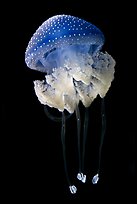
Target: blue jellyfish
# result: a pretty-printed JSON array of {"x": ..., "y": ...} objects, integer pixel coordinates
[{"x": 68, "y": 50}]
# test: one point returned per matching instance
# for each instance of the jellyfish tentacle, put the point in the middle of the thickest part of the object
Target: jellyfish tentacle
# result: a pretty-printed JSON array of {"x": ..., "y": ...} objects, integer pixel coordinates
[
  {"x": 85, "y": 130},
  {"x": 72, "y": 188},
  {"x": 78, "y": 135},
  {"x": 103, "y": 130},
  {"x": 80, "y": 175}
]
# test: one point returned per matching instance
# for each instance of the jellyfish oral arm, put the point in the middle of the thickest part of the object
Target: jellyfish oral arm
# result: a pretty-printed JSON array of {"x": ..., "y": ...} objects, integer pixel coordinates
[
  {"x": 57, "y": 91},
  {"x": 72, "y": 188},
  {"x": 66, "y": 86}
]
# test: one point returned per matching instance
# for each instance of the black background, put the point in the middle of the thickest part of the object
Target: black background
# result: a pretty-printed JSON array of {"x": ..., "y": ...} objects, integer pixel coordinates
[{"x": 32, "y": 165}]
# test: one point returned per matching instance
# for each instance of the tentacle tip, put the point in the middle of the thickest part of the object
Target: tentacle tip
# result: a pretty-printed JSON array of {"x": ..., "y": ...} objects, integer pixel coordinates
[
  {"x": 73, "y": 189},
  {"x": 95, "y": 179},
  {"x": 81, "y": 177}
]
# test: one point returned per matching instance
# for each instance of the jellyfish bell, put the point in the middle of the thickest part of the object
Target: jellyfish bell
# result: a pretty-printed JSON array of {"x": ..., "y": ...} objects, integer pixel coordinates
[
  {"x": 68, "y": 50},
  {"x": 59, "y": 31}
]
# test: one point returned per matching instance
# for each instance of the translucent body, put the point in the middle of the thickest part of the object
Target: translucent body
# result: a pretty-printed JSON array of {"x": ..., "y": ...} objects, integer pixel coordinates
[{"x": 67, "y": 49}]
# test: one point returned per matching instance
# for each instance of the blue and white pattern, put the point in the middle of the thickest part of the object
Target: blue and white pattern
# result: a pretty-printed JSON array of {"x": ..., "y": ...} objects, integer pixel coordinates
[{"x": 58, "y": 31}]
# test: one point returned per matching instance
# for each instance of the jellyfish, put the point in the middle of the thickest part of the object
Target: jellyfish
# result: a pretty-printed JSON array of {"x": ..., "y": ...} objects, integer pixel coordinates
[{"x": 67, "y": 49}]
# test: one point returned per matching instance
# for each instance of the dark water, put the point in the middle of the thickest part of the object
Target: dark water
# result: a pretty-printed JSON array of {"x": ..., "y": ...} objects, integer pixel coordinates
[{"x": 32, "y": 160}]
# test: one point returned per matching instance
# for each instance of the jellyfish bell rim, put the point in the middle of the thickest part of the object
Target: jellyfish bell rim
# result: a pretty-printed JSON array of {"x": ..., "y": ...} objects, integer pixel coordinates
[{"x": 33, "y": 57}]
